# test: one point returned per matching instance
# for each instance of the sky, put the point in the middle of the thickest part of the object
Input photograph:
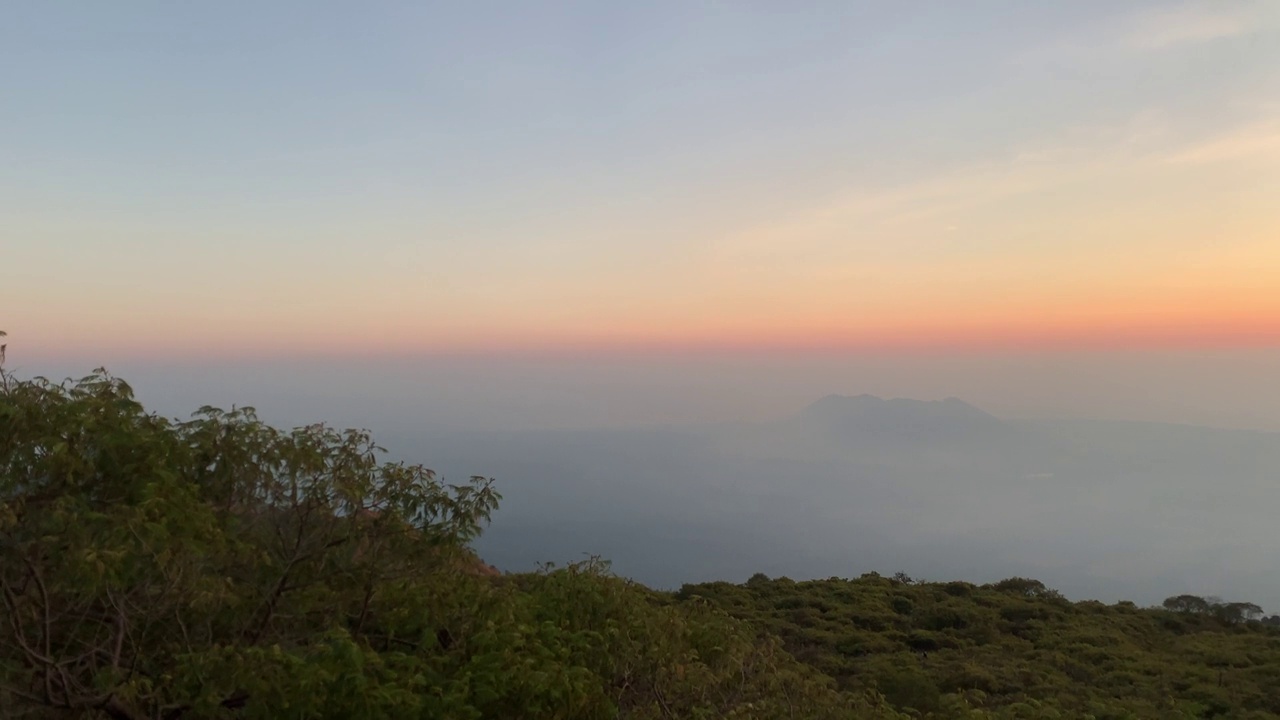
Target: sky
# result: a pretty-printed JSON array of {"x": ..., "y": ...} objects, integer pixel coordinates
[{"x": 408, "y": 178}]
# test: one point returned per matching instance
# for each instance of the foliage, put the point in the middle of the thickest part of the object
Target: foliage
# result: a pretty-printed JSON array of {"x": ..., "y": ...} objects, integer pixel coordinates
[
  {"x": 1015, "y": 649},
  {"x": 1230, "y": 612},
  {"x": 219, "y": 567}
]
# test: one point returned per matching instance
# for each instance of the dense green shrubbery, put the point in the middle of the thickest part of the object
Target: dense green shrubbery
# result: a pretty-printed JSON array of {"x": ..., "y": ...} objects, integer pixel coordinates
[
  {"x": 221, "y": 568},
  {"x": 1013, "y": 649}
]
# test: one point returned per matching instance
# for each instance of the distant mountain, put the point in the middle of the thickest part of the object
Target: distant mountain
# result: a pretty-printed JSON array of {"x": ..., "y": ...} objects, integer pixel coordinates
[
  {"x": 899, "y": 420},
  {"x": 869, "y": 408}
]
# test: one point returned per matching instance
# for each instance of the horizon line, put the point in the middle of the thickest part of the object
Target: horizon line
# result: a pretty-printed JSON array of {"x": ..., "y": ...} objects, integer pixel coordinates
[{"x": 960, "y": 340}]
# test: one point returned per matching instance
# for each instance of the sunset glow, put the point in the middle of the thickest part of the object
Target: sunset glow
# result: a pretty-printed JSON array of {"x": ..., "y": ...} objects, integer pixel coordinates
[{"x": 1135, "y": 207}]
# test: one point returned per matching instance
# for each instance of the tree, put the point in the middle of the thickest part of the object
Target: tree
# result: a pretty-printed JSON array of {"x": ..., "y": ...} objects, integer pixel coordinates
[
  {"x": 1229, "y": 612},
  {"x": 1236, "y": 612},
  {"x": 1186, "y": 604},
  {"x": 158, "y": 569},
  {"x": 1026, "y": 587}
]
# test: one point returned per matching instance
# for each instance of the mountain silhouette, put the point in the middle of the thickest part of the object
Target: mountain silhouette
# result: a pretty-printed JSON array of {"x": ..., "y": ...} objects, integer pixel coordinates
[{"x": 900, "y": 419}]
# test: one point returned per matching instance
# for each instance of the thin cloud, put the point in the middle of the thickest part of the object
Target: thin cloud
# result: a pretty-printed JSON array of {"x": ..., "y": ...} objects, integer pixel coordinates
[
  {"x": 1251, "y": 142},
  {"x": 1191, "y": 24},
  {"x": 1139, "y": 135},
  {"x": 1172, "y": 26},
  {"x": 1040, "y": 155},
  {"x": 855, "y": 223}
]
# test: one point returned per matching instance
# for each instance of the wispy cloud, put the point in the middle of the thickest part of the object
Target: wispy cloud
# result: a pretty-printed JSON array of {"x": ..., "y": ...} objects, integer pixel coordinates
[
  {"x": 1140, "y": 134},
  {"x": 1188, "y": 24},
  {"x": 854, "y": 224},
  {"x": 1252, "y": 142},
  {"x": 867, "y": 223},
  {"x": 1171, "y": 26},
  {"x": 1062, "y": 176}
]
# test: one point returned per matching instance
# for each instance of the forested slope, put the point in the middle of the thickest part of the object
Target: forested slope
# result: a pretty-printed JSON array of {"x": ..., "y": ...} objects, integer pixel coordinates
[{"x": 1017, "y": 648}]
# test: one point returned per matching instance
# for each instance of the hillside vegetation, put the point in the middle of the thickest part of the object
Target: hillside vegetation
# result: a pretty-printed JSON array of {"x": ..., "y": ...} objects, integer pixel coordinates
[
  {"x": 1017, "y": 649},
  {"x": 220, "y": 568}
]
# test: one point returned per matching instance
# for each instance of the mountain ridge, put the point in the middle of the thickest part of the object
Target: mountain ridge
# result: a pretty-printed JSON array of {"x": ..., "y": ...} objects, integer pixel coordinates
[
  {"x": 950, "y": 406},
  {"x": 873, "y": 417}
]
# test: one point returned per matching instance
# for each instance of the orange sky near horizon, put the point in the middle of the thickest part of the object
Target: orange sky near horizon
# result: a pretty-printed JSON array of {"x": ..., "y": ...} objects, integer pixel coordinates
[
  {"x": 1220, "y": 295},
  {"x": 1032, "y": 330},
  {"x": 1213, "y": 299}
]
